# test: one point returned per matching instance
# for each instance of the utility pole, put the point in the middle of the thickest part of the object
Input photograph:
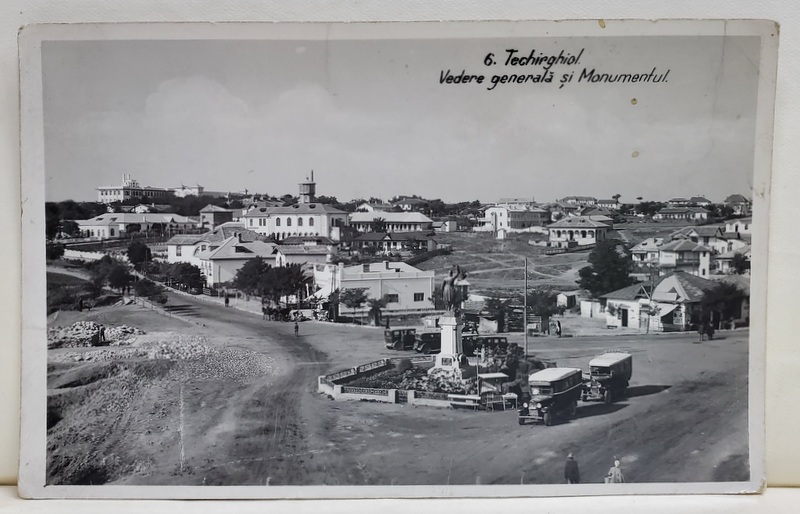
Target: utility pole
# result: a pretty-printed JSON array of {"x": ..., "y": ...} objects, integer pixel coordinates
[{"x": 525, "y": 309}]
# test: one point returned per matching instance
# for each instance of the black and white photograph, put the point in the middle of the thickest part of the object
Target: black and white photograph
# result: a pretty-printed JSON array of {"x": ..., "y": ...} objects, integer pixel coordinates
[{"x": 395, "y": 260}]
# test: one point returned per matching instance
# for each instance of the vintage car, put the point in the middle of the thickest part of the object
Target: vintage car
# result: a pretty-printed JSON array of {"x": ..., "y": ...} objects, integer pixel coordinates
[
  {"x": 428, "y": 341},
  {"x": 554, "y": 392},
  {"x": 609, "y": 375},
  {"x": 400, "y": 338},
  {"x": 469, "y": 344},
  {"x": 497, "y": 344}
]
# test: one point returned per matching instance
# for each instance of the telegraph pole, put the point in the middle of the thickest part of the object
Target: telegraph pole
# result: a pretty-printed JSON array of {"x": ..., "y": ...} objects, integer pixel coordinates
[{"x": 525, "y": 309}]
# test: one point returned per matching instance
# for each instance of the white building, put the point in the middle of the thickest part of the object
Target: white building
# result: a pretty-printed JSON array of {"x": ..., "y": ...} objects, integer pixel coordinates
[
  {"x": 129, "y": 189},
  {"x": 577, "y": 231},
  {"x": 739, "y": 226},
  {"x": 682, "y": 213},
  {"x": 405, "y": 287},
  {"x": 670, "y": 303},
  {"x": 512, "y": 218},
  {"x": 684, "y": 255},
  {"x": 220, "y": 261},
  {"x": 187, "y": 247},
  {"x": 393, "y": 221},
  {"x": 121, "y": 224},
  {"x": 305, "y": 218},
  {"x": 647, "y": 250},
  {"x": 184, "y": 191}
]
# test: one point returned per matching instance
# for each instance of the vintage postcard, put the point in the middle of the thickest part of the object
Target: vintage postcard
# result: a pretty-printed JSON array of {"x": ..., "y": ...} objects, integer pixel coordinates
[{"x": 467, "y": 259}]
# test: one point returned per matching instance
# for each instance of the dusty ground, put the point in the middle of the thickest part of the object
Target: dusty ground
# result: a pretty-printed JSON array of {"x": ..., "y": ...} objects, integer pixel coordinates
[{"x": 137, "y": 420}]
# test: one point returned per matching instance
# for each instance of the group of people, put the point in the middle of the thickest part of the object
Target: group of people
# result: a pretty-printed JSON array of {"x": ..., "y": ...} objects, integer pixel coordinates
[{"x": 572, "y": 473}]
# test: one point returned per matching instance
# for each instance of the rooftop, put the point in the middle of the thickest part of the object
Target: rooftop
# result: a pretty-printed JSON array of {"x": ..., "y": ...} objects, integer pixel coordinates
[
  {"x": 578, "y": 222},
  {"x": 298, "y": 208},
  {"x": 389, "y": 217},
  {"x": 552, "y": 374},
  {"x": 609, "y": 359}
]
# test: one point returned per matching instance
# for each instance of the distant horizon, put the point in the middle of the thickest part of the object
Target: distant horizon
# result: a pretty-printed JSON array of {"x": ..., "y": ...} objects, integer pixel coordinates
[
  {"x": 372, "y": 118},
  {"x": 715, "y": 199}
]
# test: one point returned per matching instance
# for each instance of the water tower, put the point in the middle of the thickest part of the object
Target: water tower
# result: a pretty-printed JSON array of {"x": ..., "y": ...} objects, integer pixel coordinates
[{"x": 308, "y": 190}]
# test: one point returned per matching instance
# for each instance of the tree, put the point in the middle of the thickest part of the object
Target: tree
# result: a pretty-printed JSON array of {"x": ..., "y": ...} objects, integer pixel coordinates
[
  {"x": 54, "y": 251},
  {"x": 542, "y": 303},
  {"x": 150, "y": 290},
  {"x": 275, "y": 283},
  {"x": 616, "y": 197},
  {"x": 333, "y": 305},
  {"x": 376, "y": 306},
  {"x": 378, "y": 225},
  {"x": 608, "y": 270},
  {"x": 353, "y": 298},
  {"x": 248, "y": 277},
  {"x": 186, "y": 274},
  {"x": 722, "y": 302},
  {"x": 740, "y": 263},
  {"x": 497, "y": 308},
  {"x": 119, "y": 278},
  {"x": 139, "y": 253}
]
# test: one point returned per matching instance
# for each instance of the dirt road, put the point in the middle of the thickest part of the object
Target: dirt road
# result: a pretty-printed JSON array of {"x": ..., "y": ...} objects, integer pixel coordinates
[{"x": 686, "y": 418}]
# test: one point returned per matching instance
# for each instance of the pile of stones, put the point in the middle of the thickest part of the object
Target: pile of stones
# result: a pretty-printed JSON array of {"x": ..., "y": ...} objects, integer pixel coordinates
[{"x": 83, "y": 334}]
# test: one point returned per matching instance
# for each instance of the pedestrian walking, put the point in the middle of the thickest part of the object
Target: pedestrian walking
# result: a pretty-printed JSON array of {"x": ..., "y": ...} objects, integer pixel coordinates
[
  {"x": 80, "y": 305},
  {"x": 571, "y": 472},
  {"x": 614, "y": 475},
  {"x": 102, "y": 334},
  {"x": 264, "y": 312},
  {"x": 701, "y": 330},
  {"x": 558, "y": 328},
  {"x": 227, "y": 301},
  {"x": 710, "y": 331},
  {"x": 296, "y": 329}
]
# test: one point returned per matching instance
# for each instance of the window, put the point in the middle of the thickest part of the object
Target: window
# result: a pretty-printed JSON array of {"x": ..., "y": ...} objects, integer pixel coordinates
[
  {"x": 310, "y": 222},
  {"x": 178, "y": 250},
  {"x": 111, "y": 232},
  {"x": 393, "y": 298},
  {"x": 288, "y": 222},
  {"x": 419, "y": 297},
  {"x": 277, "y": 222},
  {"x": 299, "y": 222},
  {"x": 251, "y": 222}
]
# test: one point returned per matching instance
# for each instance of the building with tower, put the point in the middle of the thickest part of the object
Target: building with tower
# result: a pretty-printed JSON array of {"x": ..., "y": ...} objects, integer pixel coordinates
[{"x": 305, "y": 218}]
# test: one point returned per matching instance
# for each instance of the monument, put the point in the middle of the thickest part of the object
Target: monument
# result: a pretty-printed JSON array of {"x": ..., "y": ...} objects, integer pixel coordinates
[{"x": 451, "y": 324}]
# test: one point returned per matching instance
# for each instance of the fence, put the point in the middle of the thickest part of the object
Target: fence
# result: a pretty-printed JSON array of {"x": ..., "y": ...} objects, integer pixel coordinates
[
  {"x": 90, "y": 256},
  {"x": 365, "y": 391},
  {"x": 333, "y": 385}
]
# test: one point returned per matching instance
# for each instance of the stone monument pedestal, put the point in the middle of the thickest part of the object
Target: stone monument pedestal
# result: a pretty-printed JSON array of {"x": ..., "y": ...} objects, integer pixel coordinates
[{"x": 451, "y": 343}]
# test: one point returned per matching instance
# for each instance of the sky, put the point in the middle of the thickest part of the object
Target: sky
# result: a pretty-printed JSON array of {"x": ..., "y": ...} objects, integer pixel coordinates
[{"x": 372, "y": 119}]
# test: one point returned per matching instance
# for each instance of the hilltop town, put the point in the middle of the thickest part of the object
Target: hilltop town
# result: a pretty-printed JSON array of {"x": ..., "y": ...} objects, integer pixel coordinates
[
  {"x": 346, "y": 245},
  {"x": 215, "y": 338}
]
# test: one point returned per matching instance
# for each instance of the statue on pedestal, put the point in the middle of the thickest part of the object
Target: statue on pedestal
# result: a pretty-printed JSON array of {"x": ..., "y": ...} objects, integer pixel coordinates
[{"x": 449, "y": 290}]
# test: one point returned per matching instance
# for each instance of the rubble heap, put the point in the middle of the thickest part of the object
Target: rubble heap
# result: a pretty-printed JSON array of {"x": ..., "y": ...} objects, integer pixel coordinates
[{"x": 87, "y": 333}]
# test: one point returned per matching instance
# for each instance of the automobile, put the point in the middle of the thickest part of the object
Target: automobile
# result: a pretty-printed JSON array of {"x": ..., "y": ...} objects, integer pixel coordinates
[
  {"x": 554, "y": 393},
  {"x": 494, "y": 343},
  {"x": 428, "y": 341},
  {"x": 609, "y": 376},
  {"x": 468, "y": 344},
  {"x": 400, "y": 338}
]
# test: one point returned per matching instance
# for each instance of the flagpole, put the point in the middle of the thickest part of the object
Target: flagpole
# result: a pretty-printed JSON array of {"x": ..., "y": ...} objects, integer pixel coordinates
[{"x": 525, "y": 309}]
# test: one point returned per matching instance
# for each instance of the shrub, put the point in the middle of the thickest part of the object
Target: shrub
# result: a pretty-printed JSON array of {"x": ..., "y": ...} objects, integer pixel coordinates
[{"x": 404, "y": 365}]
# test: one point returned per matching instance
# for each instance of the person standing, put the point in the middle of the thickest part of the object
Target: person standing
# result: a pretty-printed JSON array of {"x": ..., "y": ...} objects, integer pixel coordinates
[
  {"x": 296, "y": 329},
  {"x": 571, "y": 472},
  {"x": 227, "y": 301},
  {"x": 614, "y": 475}
]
